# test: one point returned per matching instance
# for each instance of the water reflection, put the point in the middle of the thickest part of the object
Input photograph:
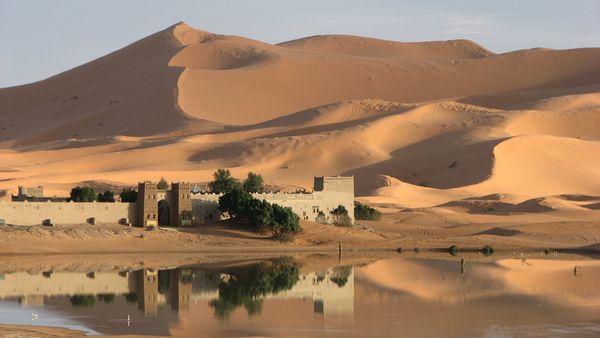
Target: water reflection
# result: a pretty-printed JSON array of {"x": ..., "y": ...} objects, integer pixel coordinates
[{"x": 393, "y": 297}]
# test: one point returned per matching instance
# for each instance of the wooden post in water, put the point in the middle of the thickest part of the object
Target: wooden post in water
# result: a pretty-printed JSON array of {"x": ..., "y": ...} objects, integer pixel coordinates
[
  {"x": 462, "y": 266},
  {"x": 339, "y": 251}
]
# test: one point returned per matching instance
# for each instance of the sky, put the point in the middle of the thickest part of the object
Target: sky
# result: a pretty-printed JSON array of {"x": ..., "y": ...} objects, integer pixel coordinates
[{"x": 40, "y": 38}]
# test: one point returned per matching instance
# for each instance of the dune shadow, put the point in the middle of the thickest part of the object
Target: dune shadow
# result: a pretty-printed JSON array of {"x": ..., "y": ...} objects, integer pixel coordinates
[{"x": 443, "y": 162}]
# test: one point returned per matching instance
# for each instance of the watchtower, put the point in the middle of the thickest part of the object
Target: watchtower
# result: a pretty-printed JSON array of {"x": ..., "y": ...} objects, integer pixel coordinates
[
  {"x": 147, "y": 206},
  {"x": 182, "y": 204}
]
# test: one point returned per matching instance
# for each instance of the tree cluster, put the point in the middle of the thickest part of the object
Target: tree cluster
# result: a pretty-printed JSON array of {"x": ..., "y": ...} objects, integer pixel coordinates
[
  {"x": 83, "y": 194},
  {"x": 365, "y": 212},
  {"x": 223, "y": 182},
  {"x": 128, "y": 195},
  {"x": 243, "y": 208},
  {"x": 107, "y": 196}
]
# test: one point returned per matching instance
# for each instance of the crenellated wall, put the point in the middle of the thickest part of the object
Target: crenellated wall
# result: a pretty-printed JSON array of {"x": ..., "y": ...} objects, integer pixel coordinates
[{"x": 329, "y": 193}]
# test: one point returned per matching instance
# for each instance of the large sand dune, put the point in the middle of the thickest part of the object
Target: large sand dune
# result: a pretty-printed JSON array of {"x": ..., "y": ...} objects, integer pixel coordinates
[{"x": 445, "y": 122}]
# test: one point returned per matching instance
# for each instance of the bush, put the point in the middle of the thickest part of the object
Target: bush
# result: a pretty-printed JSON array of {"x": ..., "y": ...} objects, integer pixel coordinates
[
  {"x": 366, "y": 213},
  {"x": 223, "y": 182},
  {"x": 254, "y": 183},
  {"x": 128, "y": 195},
  {"x": 85, "y": 194},
  {"x": 107, "y": 196},
  {"x": 487, "y": 250},
  {"x": 340, "y": 217},
  {"x": 321, "y": 218},
  {"x": 453, "y": 250}
]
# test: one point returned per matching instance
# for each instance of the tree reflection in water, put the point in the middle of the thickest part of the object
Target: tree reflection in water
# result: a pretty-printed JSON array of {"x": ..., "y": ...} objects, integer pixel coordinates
[
  {"x": 246, "y": 288},
  {"x": 340, "y": 275}
]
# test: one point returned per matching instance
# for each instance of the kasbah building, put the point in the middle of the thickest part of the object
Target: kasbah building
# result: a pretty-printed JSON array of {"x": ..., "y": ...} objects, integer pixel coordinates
[{"x": 182, "y": 205}]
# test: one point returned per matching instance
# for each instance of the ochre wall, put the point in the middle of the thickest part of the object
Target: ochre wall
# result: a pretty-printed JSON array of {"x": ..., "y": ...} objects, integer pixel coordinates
[{"x": 33, "y": 213}]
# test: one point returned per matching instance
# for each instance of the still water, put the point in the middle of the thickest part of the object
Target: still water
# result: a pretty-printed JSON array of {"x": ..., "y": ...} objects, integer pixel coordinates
[{"x": 396, "y": 297}]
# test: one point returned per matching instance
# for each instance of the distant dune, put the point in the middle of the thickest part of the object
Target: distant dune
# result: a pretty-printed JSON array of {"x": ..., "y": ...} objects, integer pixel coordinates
[{"x": 419, "y": 124}]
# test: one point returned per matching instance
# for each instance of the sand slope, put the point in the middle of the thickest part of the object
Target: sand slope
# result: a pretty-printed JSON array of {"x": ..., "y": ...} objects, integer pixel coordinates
[{"x": 445, "y": 121}]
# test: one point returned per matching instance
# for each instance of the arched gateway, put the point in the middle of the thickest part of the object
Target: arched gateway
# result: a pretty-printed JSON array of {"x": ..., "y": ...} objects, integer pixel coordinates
[{"x": 175, "y": 208}]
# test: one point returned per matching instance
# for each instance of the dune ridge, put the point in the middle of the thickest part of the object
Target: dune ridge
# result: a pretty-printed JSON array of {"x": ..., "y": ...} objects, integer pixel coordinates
[{"x": 420, "y": 124}]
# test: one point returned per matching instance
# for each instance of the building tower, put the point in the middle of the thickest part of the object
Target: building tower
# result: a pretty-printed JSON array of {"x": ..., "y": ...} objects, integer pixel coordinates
[
  {"x": 147, "y": 206},
  {"x": 182, "y": 204}
]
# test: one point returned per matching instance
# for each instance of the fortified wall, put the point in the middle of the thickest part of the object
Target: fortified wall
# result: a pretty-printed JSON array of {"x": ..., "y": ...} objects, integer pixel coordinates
[
  {"x": 36, "y": 213},
  {"x": 328, "y": 193},
  {"x": 180, "y": 206}
]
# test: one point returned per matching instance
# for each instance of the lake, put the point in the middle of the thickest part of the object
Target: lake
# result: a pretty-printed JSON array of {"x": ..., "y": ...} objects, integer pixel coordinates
[{"x": 403, "y": 296}]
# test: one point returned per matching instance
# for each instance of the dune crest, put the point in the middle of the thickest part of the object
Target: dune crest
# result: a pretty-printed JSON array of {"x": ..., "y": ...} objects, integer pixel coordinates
[{"x": 445, "y": 124}]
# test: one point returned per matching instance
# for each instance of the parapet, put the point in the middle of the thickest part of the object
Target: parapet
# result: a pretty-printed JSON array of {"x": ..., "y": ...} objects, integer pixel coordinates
[{"x": 334, "y": 183}]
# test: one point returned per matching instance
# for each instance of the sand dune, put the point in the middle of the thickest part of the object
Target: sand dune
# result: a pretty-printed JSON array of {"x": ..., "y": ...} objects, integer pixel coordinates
[{"x": 448, "y": 124}]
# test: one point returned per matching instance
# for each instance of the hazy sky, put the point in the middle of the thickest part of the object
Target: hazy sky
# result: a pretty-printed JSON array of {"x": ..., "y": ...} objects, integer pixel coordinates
[{"x": 41, "y": 38}]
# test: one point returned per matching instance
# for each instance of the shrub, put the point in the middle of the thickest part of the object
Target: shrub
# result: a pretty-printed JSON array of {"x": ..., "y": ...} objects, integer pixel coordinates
[
  {"x": 487, "y": 250},
  {"x": 364, "y": 212},
  {"x": 83, "y": 194},
  {"x": 128, "y": 195},
  {"x": 223, "y": 182},
  {"x": 162, "y": 184},
  {"x": 254, "y": 183},
  {"x": 321, "y": 218},
  {"x": 340, "y": 216},
  {"x": 107, "y": 196},
  {"x": 453, "y": 250}
]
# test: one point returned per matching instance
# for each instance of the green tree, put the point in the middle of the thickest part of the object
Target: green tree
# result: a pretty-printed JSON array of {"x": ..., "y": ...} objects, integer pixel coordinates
[
  {"x": 284, "y": 221},
  {"x": 254, "y": 183},
  {"x": 107, "y": 196},
  {"x": 364, "y": 212},
  {"x": 340, "y": 216},
  {"x": 128, "y": 195},
  {"x": 223, "y": 182},
  {"x": 162, "y": 184},
  {"x": 83, "y": 194},
  {"x": 234, "y": 203}
]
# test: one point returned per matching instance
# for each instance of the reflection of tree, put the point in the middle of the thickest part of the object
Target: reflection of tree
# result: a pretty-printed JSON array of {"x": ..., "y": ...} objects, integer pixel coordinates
[
  {"x": 340, "y": 275},
  {"x": 247, "y": 287},
  {"x": 320, "y": 276},
  {"x": 83, "y": 300},
  {"x": 131, "y": 297},
  {"x": 106, "y": 297}
]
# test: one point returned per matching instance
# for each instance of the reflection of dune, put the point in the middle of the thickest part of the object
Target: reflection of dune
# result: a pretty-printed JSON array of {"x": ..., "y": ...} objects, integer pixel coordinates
[{"x": 550, "y": 280}]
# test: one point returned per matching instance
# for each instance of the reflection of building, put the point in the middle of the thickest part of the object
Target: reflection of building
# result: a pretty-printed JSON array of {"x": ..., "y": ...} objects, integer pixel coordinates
[
  {"x": 147, "y": 290},
  {"x": 329, "y": 297},
  {"x": 181, "y": 289},
  {"x": 330, "y": 291}
]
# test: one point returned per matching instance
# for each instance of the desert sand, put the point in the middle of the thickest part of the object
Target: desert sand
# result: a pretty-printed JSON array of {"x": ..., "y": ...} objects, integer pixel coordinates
[{"x": 454, "y": 143}]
